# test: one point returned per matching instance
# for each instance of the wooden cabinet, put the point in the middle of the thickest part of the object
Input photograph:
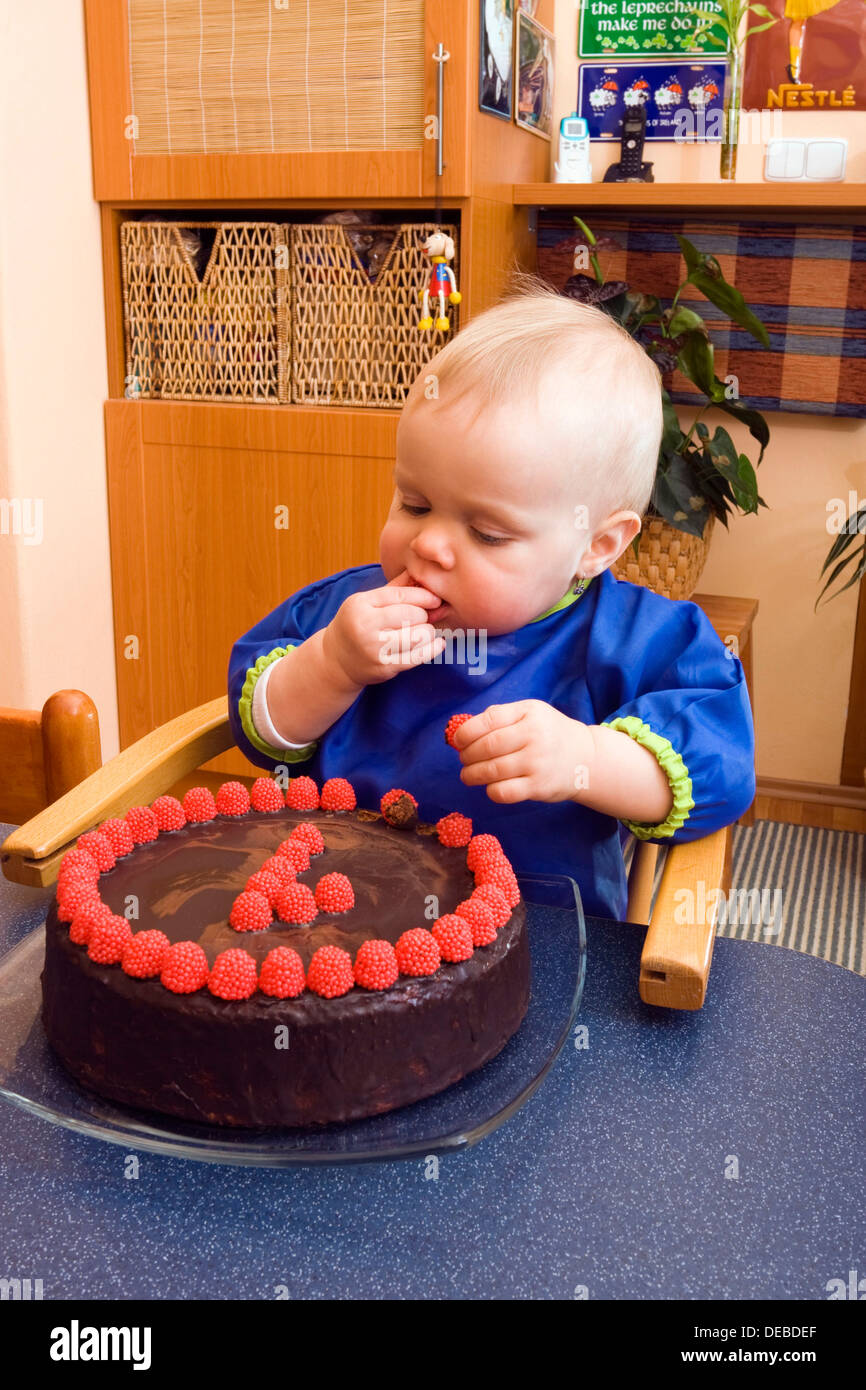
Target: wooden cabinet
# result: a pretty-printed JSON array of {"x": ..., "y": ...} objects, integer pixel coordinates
[
  {"x": 275, "y": 99},
  {"x": 217, "y": 514},
  {"x": 243, "y": 114}
]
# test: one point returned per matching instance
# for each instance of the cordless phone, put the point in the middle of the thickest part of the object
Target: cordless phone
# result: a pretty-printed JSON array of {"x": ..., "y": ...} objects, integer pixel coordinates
[{"x": 630, "y": 167}]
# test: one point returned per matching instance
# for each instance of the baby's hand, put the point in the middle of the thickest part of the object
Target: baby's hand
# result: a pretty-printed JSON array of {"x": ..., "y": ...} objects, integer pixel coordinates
[
  {"x": 377, "y": 633},
  {"x": 526, "y": 751}
]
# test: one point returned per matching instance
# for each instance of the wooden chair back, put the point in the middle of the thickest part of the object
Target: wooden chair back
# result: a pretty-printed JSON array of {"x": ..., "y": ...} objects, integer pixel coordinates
[{"x": 44, "y": 753}]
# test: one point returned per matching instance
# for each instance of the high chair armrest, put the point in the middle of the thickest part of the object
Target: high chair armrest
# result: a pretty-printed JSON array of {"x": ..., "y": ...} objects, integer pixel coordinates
[
  {"x": 135, "y": 777},
  {"x": 678, "y": 948}
]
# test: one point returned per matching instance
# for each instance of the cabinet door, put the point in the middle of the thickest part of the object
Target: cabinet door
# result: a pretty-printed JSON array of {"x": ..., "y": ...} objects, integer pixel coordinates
[
  {"x": 243, "y": 99},
  {"x": 217, "y": 514}
]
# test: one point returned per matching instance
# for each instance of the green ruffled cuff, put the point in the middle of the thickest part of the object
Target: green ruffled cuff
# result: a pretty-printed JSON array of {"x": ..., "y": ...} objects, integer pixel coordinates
[
  {"x": 245, "y": 709},
  {"x": 675, "y": 769}
]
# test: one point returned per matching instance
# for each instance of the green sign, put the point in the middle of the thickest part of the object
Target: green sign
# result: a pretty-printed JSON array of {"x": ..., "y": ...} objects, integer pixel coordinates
[{"x": 638, "y": 28}]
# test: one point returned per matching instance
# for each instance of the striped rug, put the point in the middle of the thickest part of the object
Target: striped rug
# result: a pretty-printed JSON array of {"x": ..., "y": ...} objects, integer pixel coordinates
[{"x": 798, "y": 886}]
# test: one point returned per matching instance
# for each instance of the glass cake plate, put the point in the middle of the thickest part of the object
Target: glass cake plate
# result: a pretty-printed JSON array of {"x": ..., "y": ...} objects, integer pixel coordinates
[{"x": 32, "y": 1078}]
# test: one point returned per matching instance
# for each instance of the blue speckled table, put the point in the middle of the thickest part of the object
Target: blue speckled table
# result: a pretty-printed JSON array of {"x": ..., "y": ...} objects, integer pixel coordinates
[{"x": 710, "y": 1155}]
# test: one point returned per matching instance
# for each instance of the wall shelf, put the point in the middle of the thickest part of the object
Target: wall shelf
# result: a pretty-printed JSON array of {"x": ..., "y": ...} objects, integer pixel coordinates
[{"x": 825, "y": 198}]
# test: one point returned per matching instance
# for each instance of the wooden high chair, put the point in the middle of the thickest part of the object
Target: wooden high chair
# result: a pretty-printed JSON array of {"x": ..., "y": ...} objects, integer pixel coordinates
[{"x": 675, "y": 960}]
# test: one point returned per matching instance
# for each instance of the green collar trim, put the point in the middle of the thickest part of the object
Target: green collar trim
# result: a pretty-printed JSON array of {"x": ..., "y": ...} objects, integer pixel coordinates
[{"x": 567, "y": 599}]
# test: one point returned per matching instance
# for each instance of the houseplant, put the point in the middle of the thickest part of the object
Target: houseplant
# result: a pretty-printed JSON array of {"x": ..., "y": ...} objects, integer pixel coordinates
[
  {"x": 854, "y": 526},
  {"x": 730, "y": 17},
  {"x": 700, "y": 476}
]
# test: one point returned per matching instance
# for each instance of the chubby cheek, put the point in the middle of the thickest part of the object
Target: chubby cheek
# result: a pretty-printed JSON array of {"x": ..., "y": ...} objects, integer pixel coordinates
[{"x": 393, "y": 544}]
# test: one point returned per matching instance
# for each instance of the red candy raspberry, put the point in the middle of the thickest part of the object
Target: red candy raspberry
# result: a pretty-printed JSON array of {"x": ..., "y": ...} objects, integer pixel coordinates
[
  {"x": 418, "y": 952},
  {"x": 90, "y": 912},
  {"x": 199, "y": 805},
  {"x": 184, "y": 969},
  {"x": 99, "y": 846},
  {"x": 118, "y": 835},
  {"x": 143, "y": 956},
  {"x": 280, "y": 868},
  {"x": 302, "y": 794},
  {"x": 82, "y": 863},
  {"x": 296, "y": 852},
  {"x": 480, "y": 919},
  {"x": 72, "y": 894},
  {"x": 282, "y": 973},
  {"x": 479, "y": 847},
  {"x": 330, "y": 972},
  {"x": 454, "y": 829},
  {"x": 338, "y": 795},
  {"x": 501, "y": 875},
  {"x": 169, "y": 813},
  {"x": 296, "y": 904},
  {"x": 376, "y": 965},
  {"x": 265, "y": 883},
  {"x": 334, "y": 893},
  {"x": 265, "y": 795},
  {"x": 142, "y": 824},
  {"x": 108, "y": 937},
  {"x": 309, "y": 835},
  {"x": 251, "y": 911},
  {"x": 453, "y": 725},
  {"x": 495, "y": 900},
  {"x": 453, "y": 937},
  {"x": 232, "y": 799},
  {"x": 233, "y": 975}
]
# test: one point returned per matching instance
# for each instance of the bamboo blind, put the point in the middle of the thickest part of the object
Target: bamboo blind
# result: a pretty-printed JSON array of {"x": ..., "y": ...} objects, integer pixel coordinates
[{"x": 243, "y": 76}]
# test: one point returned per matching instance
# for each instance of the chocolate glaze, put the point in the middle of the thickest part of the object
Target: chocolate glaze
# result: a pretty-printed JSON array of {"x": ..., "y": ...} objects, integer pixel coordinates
[{"x": 215, "y": 1060}]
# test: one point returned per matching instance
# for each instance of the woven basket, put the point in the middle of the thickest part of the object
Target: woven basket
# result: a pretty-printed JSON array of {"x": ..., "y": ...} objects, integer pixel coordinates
[
  {"x": 224, "y": 337},
  {"x": 669, "y": 561},
  {"x": 356, "y": 341}
]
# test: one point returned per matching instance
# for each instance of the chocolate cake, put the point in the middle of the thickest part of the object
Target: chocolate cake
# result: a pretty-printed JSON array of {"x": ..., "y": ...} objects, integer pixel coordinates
[{"x": 339, "y": 1049}]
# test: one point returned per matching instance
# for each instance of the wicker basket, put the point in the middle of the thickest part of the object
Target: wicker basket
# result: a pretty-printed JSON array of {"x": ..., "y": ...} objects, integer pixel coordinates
[
  {"x": 223, "y": 337},
  {"x": 669, "y": 561},
  {"x": 355, "y": 341}
]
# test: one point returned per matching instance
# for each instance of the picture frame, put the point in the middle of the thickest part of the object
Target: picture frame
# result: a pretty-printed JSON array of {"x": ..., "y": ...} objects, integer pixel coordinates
[
  {"x": 496, "y": 57},
  {"x": 534, "y": 49}
]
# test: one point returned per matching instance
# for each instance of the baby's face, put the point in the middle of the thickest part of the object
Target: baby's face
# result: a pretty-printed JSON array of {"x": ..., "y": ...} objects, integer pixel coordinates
[{"x": 481, "y": 514}]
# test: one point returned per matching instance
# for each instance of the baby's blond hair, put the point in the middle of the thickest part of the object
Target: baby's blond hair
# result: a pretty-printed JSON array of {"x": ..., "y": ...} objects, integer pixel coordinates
[{"x": 504, "y": 354}]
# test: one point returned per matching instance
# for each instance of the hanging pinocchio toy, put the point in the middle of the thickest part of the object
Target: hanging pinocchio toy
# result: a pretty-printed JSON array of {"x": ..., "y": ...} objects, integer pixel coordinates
[{"x": 440, "y": 248}]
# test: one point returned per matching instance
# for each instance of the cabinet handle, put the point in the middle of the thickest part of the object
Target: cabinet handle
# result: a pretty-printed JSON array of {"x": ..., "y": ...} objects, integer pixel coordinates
[{"x": 440, "y": 57}]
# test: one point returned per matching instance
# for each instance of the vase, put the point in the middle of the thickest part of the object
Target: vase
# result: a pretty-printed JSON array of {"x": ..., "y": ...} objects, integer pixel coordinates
[
  {"x": 669, "y": 561},
  {"x": 731, "y": 107}
]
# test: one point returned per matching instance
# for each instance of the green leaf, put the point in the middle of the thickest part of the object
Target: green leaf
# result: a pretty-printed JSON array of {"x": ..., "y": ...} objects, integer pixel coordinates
[
  {"x": 678, "y": 495},
  {"x": 726, "y": 297},
  {"x": 854, "y": 578},
  {"x": 691, "y": 255},
  {"x": 695, "y": 361},
  {"x": 759, "y": 28},
  {"x": 752, "y": 419},
  {"x": 672, "y": 434},
  {"x": 762, "y": 11},
  {"x": 682, "y": 319}
]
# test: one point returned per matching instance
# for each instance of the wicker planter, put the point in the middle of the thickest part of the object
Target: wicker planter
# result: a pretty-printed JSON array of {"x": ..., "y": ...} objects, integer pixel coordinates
[{"x": 669, "y": 561}]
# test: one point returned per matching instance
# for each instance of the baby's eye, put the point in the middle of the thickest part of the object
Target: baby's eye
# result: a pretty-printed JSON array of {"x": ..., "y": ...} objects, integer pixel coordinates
[
  {"x": 413, "y": 511},
  {"x": 486, "y": 540},
  {"x": 490, "y": 540}
]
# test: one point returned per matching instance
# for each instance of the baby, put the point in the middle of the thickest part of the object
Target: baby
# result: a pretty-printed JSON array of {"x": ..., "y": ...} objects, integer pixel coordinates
[{"x": 526, "y": 454}]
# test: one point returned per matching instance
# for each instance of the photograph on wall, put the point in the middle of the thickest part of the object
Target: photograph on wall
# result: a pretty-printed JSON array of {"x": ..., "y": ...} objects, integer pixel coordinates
[
  {"x": 612, "y": 27},
  {"x": 812, "y": 59},
  {"x": 535, "y": 50},
  {"x": 683, "y": 101},
  {"x": 496, "y": 50}
]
